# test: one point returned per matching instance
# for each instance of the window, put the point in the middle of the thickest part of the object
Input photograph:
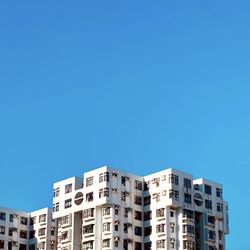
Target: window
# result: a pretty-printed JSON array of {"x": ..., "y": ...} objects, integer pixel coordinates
[
  {"x": 41, "y": 245},
  {"x": 220, "y": 207},
  {"x": 52, "y": 231},
  {"x": 11, "y": 217},
  {"x": 172, "y": 225},
  {"x": 126, "y": 210},
  {"x": 208, "y": 204},
  {"x": 103, "y": 177},
  {"x": 171, "y": 213},
  {"x": 160, "y": 212},
  {"x": 68, "y": 203},
  {"x": 211, "y": 219},
  {"x": 160, "y": 244},
  {"x": 41, "y": 231},
  {"x": 33, "y": 220},
  {"x": 125, "y": 228},
  {"x": 138, "y": 231},
  {"x": 24, "y": 220},
  {"x": 11, "y": 230},
  {"x": 174, "y": 179},
  {"x": 123, "y": 180},
  {"x": 56, "y": 192},
  {"x": 138, "y": 200},
  {"x": 147, "y": 215},
  {"x": 208, "y": 189},
  {"x": 211, "y": 248},
  {"x": 146, "y": 185},
  {"x": 56, "y": 207},
  {"x": 106, "y": 211},
  {"x": 147, "y": 200},
  {"x": 65, "y": 235},
  {"x": 187, "y": 183},
  {"x": 104, "y": 192},
  {"x": 138, "y": 245},
  {"x": 188, "y": 229},
  {"x": 160, "y": 228},
  {"x": 125, "y": 244},
  {"x": 2, "y": 230},
  {"x": 187, "y": 198},
  {"x": 88, "y": 245},
  {"x": 124, "y": 195},
  {"x": 138, "y": 215},
  {"x": 219, "y": 192},
  {"x": 147, "y": 231},
  {"x": 88, "y": 229},
  {"x": 42, "y": 218},
  {"x": 138, "y": 185},
  {"x": 2, "y": 216},
  {"x": 148, "y": 246},
  {"x": 63, "y": 220},
  {"x": 106, "y": 226},
  {"x": 9, "y": 245},
  {"x": 156, "y": 196},
  {"x": 221, "y": 247},
  {"x": 189, "y": 245},
  {"x": 188, "y": 214},
  {"x": 156, "y": 181},
  {"x": 23, "y": 234},
  {"x": 1, "y": 244},
  {"x": 68, "y": 188},
  {"x": 174, "y": 194},
  {"x": 106, "y": 243},
  {"x": 22, "y": 246},
  {"x": 32, "y": 234},
  {"x": 89, "y": 181},
  {"x": 211, "y": 235},
  {"x": 220, "y": 235},
  {"x": 88, "y": 213},
  {"x": 89, "y": 197},
  {"x": 116, "y": 211},
  {"x": 116, "y": 243}
]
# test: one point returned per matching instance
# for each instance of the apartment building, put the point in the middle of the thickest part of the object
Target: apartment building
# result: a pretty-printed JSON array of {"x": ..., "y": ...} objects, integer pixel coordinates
[
  {"x": 111, "y": 209},
  {"x": 21, "y": 230}
]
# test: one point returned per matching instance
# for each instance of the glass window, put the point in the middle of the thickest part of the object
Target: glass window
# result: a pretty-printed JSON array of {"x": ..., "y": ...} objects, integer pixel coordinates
[{"x": 68, "y": 188}]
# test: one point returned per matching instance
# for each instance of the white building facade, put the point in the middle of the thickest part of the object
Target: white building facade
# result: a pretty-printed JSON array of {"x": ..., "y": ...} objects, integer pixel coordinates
[
  {"x": 111, "y": 209},
  {"x": 22, "y": 231}
]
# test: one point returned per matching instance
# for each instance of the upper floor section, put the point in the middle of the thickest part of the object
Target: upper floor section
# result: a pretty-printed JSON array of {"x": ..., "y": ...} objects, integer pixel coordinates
[{"x": 108, "y": 185}]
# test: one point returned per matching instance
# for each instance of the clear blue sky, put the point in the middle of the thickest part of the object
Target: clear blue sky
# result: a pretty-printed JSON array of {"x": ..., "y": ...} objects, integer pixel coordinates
[{"x": 138, "y": 85}]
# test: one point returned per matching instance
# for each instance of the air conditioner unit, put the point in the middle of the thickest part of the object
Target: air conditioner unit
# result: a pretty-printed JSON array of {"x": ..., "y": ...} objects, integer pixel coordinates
[
  {"x": 128, "y": 209},
  {"x": 172, "y": 224},
  {"x": 172, "y": 239},
  {"x": 14, "y": 243},
  {"x": 114, "y": 189},
  {"x": 164, "y": 192},
  {"x": 116, "y": 238}
]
